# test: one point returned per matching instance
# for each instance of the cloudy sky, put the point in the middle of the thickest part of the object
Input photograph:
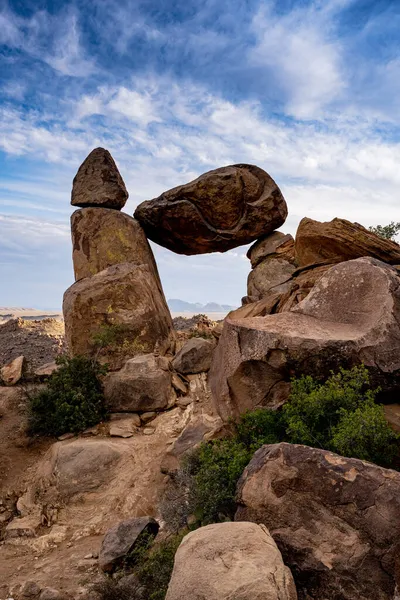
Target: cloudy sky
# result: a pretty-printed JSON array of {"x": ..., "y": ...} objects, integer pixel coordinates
[{"x": 306, "y": 89}]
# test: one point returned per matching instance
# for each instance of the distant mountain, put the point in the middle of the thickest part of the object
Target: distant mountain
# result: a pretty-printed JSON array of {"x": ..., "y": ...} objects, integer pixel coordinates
[{"x": 176, "y": 305}]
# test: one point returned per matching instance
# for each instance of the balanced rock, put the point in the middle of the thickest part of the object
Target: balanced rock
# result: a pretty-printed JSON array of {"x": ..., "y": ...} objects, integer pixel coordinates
[
  {"x": 220, "y": 210},
  {"x": 335, "y": 520},
  {"x": 123, "y": 303},
  {"x": 102, "y": 237},
  {"x": 98, "y": 182},
  {"x": 141, "y": 385},
  {"x": 339, "y": 240},
  {"x": 121, "y": 540},
  {"x": 230, "y": 561},
  {"x": 194, "y": 356},
  {"x": 349, "y": 317}
]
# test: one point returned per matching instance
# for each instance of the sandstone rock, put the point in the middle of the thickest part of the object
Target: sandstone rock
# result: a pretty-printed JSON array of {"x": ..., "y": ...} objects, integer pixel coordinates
[
  {"x": 222, "y": 209},
  {"x": 339, "y": 240},
  {"x": 98, "y": 182},
  {"x": 194, "y": 357},
  {"x": 392, "y": 414},
  {"x": 52, "y": 594},
  {"x": 22, "y": 527},
  {"x": 124, "y": 428},
  {"x": 148, "y": 416},
  {"x": 11, "y": 373},
  {"x": 277, "y": 244},
  {"x": 30, "y": 589},
  {"x": 333, "y": 519},
  {"x": 121, "y": 539},
  {"x": 230, "y": 561},
  {"x": 350, "y": 317},
  {"x": 46, "y": 370},
  {"x": 179, "y": 384},
  {"x": 260, "y": 308},
  {"x": 102, "y": 237},
  {"x": 271, "y": 276},
  {"x": 141, "y": 385},
  {"x": 124, "y": 300}
]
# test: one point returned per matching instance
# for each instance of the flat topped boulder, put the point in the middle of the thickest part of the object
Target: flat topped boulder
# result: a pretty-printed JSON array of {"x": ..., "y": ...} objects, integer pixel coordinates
[
  {"x": 220, "y": 210},
  {"x": 98, "y": 182}
]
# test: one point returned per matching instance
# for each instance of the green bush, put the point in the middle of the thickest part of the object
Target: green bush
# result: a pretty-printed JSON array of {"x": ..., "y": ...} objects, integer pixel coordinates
[
  {"x": 260, "y": 427},
  {"x": 154, "y": 572},
  {"x": 72, "y": 400},
  {"x": 387, "y": 232}
]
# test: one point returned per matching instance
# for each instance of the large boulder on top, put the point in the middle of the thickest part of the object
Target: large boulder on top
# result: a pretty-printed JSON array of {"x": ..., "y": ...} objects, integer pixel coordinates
[
  {"x": 335, "y": 520},
  {"x": 116, "y": 314},
  {"x": 230, "y": 561},
  {"x": 98, "y": 182},
  {"x": 102, "y": 237},
  {"x": 339, "y": 240},
  {"x": 351, "y": 316},
  {"x": 219, "y": 210}
]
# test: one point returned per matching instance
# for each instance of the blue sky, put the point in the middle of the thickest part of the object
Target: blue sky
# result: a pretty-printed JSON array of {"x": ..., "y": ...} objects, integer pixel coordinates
[{"x": 307, "y": 90}]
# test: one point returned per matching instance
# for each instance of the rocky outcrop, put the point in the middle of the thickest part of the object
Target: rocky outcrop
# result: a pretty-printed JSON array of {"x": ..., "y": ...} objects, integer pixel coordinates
[
  {"x": 335, "y": 520},
  {"x": 339, "y": 240},
  {"x": 269, "y": 277},
  {"x": 116, "y": 314},
  {"x": 194, "y": 356},
  {"x": 122, "y": 539},
  {"x": 11, "y": 373},
  {"x": 230, "y": 561},
  {"x": 102, "y": 237},
  {"x": 98, "y": 182},
  {"x": 351, "y": 316},
  {"x": 140, "y": 386},
  {"x": 222, "y": 209}
]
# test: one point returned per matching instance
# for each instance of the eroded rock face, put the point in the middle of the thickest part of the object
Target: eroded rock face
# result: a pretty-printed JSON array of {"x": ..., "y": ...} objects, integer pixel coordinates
[
  {"x": 339, "y": 240},
  {"x": 102, "y": 237},
  {"x": 222, "y": 209},
  {"x": 230, "y": 561},
  {"x": 351, "y": 316},
  {"x": 124, "y": 299},
  {"x": 269, "y": 277},
  {"x": 335, "y": 520},
  {"x": 194, "y": 357},
  {"x": 98, "y": 182},
  {"x": 277, "y": 244}
]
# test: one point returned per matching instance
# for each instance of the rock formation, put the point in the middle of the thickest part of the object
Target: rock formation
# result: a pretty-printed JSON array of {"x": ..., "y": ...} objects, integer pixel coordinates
[
  {"x": 229, "y": 561},
  {"x": 222, "y": 209},
  {"x": 335, "y": 520}
]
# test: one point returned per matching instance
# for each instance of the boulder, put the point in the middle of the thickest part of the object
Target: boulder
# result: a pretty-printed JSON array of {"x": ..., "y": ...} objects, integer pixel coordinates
[
  {"x": 335, "y": 520},
  {"x": 98, "y": 182},
  {"x": 269, "y": 277},
  {"x": 11, "y": 373},
  {"x": 351, "y": 316},
  {"x": 102, "y": 237},
  {"x": 116, "y": 314},
  {"x": 219, "y": 210},
  {"x": 230, "y": 561},
  {"x": 141, "y": 385},
  {"x": 339, "y": 240},
  {"x": 194, "y": 356},
  {"x": 277, "y": 244},
  {"x": 121, "y": 540}
]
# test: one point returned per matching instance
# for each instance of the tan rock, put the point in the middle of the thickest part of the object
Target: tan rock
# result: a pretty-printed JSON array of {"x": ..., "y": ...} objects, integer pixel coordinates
[
  {"x": 11, "y": 373},
  {"x": 194, "y": 356},
  {"x": 349, "y": 317},
  {"x": 46, "y": 370},
  {"x": 276, "y": 244},
  {"x": 271, "y": 276},
  {"x": 124, "y": 428},
  {"x": 222, "y": 209},
  {"x": 230, "y": 561},
  {"x": 98, "y": 182},
  {"x": 339, "y": 240},
  {"x": 333, "y": 519},
  {"x": 116, "y": 314},
  {"x": 392, "y": 414},
  {"x": 102, "y": 237}
]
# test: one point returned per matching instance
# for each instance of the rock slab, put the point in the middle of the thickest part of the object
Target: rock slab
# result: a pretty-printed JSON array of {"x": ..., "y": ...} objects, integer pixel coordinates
[
  {"x": 220, "y": 210},
  {"x": 98, "y": 182},
  {"x": 194, "y": 356},
  {"x": 230, "y": 561},
  {"x": 335, "y": 520}
]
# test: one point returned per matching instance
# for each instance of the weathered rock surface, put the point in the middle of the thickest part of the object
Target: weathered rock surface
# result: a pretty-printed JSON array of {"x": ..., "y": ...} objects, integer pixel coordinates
[
  {"x": 121, "y": 539},
  {"x": 98, "y": 182},
  {"x": 194, "y": 356},
  {"x": 102, "y": 237},
  {"x": 230, "y": 561},
  {"x": 271, "y": 276},
  {"x": 124, "y": 299},
  {"x": 141, "y": 385},
  {"x": 339, "y": 240},
  {"x": 335, "y": 520},
  {"x": 11, "y": 373},
  {"x": 351, "y": 316},
  {"x": 277, "y": 244},
  {"x": 222, "y": 209}
]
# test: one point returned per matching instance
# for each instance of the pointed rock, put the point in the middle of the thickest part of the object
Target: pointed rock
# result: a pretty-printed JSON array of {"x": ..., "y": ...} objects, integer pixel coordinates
[{"x": 99, "y": 183}]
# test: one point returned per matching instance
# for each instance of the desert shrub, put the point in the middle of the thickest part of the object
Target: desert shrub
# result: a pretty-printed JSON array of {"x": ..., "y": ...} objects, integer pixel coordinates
[
  {"x": 124, "y": 588},
  {"x": 388, "y": 232},
  {"x": 72, "y": 400},
  {"x": 117, "y": 338},
  {"x": 259, "y": 427},
  {"x": 201, "y": 333},
  {"x": 154, "y": 572}
]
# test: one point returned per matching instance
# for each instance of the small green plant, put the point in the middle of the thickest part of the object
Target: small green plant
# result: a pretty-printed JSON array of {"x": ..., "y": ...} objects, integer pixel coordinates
[
  {"x": 154, "y": 573},
  {"x": 259, "y": 427},
  {"x": 201, "y": 333},
  {"x": 388, "y": 232},
  {"x": 72, "y": 400},
  {"x": 117, "y": 338}
]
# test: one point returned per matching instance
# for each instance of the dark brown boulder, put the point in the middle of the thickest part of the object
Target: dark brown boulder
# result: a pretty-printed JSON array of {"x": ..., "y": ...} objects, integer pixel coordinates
[
  {"x": 277, "y": 244},
  {"x": 98, "y": 182},
  {"x": 194, "y": 356},
  {"x": 220, "y": 210},
  {"x": 335, "y": 520}
]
